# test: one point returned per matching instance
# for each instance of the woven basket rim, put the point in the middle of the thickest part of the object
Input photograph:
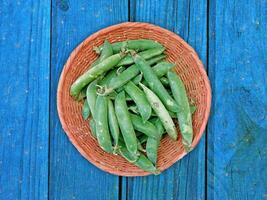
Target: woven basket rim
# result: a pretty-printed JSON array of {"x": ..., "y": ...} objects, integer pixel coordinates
[{"x": 67, "y": 67}]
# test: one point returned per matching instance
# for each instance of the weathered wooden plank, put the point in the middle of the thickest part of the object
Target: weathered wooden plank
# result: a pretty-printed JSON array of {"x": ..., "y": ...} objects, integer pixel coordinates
[
  {"x": 186, "y": 178},
  {"x": 71, "y": 176},
  {"x": 24, "y": 80},
  {"x": 237, "y": 147}
]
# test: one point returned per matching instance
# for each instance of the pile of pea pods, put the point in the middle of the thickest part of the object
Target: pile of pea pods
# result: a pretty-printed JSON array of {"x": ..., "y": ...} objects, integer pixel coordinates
[{"x": 132, "y": 97}]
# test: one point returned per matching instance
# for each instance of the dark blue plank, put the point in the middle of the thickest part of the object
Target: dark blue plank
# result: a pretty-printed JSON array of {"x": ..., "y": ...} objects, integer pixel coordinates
[
  {"x": 186, "y": 178},
  {"x": 238, "y": 71},
  {"x": 24, "y": 80},
  {"x": 71, "y": 176}
]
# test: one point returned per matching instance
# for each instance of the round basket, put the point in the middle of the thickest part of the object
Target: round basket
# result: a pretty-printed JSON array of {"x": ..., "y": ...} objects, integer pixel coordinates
[{"x": 188, "y": 66}]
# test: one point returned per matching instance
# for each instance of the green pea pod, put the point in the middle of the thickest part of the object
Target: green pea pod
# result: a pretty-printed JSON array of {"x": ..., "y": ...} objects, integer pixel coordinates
[
  {"x": 136, "y": 80},
  {"x": 162, "y": 68},
  {"x": 125, "y": 123},
  {"x": 108, "y": 77},
  {"x": 161, "y": 112},
  {"x": 140, "y": 161},
  {"x": 85, "y": 110},
  {"x": 113, "y": 123},
  {"x": 139, "y": 98},
  {"x": 163, "y": 80},
  {"x": 92, "y": 127},
  {"x": 123, "y": 151},
  {"x": 152, "y": 144},
  {"x": 145, "y": 164},
  {"x": 91, "y": 96},
  {"x": 105, "y": 53},
  {"x": 102, "y": 129},
  {"x": 138, "y": 45},
  {"x": 156, "y": 59},
  {"x": 128, "y": 74},
  {"x": 94, "y": 72},
  {"x": 127, "y": 60},
  {"x": 145, "y": 127},
  {"x": 184, "y": 115},
  {"x": 155, "y": 84}
]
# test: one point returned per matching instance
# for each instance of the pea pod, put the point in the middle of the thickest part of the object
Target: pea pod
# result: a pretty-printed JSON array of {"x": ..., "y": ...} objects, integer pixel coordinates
[
  {"x": 142, "y": 162},
  {"x": 85, "y": 110},
  {"x": 139, "y": 145},
  {"x": 155, "y": 84},
  {"x": 136, "y": 80},
  {"x": 139, "y": 98},
  {"x": 152, "y": 144},
  {"x": 125, "y": 76},
  {"x": 102, "y": 129},
  {"x": 156, "y": 59},
  {"x": 123, "y": 151},
  {"x": 162, "y": 68},
  {"x": 138, "y": 45},
  {"x": 127, "y": 60},
  {"x": 92, "y": 73},
  {"x": 163, "y": 80},
  {"x": 91, "y": 96},
  {"x": 110, "y": 75},
  {"x": 125, "y": 123},
  {"x": 161, "y": 112},
  {"x": 92, "y": 127},
  {"x": 105, "y": 53},
  {"x": 113, "y": 123},
  {"x": 145, "y": 127},
  {"x": 184, "y": 115}
]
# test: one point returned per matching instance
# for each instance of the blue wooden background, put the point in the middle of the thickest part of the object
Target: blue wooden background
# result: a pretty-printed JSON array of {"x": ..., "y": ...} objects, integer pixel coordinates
[{"x": 38, "y": 162}]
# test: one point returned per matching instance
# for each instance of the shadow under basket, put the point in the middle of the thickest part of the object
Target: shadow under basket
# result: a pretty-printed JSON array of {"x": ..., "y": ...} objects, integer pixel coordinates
[{"x": 188, "y": 66}]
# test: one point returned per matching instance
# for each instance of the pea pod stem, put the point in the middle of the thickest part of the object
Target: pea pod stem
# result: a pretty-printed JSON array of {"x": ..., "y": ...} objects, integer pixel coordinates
[{"x": 85, "y": 110}]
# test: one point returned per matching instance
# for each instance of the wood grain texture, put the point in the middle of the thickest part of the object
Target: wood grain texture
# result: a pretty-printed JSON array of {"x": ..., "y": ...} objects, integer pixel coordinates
[
  {"x": 71, "y": 176},
  {"x": 186, "y": 178},
  {"x": 24, "y": 104},
  {"x": 237, "y": 133}
]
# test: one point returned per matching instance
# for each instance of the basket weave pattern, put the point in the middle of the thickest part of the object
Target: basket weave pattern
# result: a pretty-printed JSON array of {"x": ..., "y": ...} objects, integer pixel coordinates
[{"x": 188, "y": 66}]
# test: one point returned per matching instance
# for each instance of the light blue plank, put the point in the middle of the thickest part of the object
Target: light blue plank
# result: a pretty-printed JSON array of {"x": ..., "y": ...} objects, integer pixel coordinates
[
  {"x": 237, "y": 133},
  {"x": 71, "y": 176},
  {"x": 186, "y": 178},
  {"x": 24, "y": 80}
]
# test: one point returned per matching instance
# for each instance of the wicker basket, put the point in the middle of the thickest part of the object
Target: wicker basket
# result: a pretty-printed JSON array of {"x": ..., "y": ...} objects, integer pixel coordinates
[{"x": 188, "y": 66}]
